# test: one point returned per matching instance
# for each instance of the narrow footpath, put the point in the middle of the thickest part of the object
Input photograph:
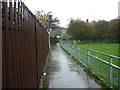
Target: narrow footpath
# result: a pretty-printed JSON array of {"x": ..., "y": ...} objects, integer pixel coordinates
[{"x": 63, "y": 72}]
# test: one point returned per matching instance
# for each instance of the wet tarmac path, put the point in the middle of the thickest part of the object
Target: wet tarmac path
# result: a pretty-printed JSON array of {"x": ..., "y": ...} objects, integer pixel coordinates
[{"x": 63, "y": 72}]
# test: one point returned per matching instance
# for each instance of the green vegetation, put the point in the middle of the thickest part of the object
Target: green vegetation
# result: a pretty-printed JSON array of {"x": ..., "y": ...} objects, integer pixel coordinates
[
  {"x": 111, "y": 49},
  {"x": 101, "y": 30},
  {"x": 47, "y": 19},
  {"x": 41, "y": 83},
  {"x": 92, "y": 32},
  {"x": 41, "y": 17}
]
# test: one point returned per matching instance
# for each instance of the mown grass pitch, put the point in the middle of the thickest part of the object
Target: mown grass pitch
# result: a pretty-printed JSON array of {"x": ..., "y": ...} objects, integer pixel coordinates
[{"x": 111, "y": 49}]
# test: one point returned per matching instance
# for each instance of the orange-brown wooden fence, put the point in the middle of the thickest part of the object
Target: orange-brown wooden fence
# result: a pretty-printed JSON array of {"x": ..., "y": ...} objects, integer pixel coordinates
[
  {"x": 53, "y": 40},
  {"x": 24, "y": 46},
  {"x": 0, "y": 47}
]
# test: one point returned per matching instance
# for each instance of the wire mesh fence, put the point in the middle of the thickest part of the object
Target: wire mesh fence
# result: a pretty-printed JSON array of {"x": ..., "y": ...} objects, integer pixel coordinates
[
  {"x": 90, "y": 41},
  {"x": 105, "y": 70}
]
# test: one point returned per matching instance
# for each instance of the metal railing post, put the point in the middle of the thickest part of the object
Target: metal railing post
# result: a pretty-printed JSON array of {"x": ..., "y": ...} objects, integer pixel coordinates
[
  {"x": 114, "y": 82},
  {"x": 0, "y": 45},
  {"x": 77, "y": 53},
  {"x": 110, "y": 71},
  {"x": 88, "y": 58}
]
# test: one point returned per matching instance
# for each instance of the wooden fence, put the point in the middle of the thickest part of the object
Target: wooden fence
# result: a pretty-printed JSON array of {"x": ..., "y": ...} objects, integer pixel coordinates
[
  {"x": 53, "y": 40},
  {"x": 0, "y": 47},
  {"x": 24, "y": 46}
]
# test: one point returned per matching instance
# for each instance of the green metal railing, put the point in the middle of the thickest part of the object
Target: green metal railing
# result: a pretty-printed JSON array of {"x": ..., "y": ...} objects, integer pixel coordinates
[{"x": 105, "y": 70}]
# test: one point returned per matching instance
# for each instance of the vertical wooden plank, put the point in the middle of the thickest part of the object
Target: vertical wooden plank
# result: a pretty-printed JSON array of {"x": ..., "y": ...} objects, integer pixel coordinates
[
  {"x": 8, "y": 63},
  {"x": 18, "y": 15},
  {"x": 43, "y": 48},
  {"x": 23, "y": 53},
  {"x": 35, "y": 51},
  {"x": 28, "y": 69},
  {"x": 0, "y": 45},
  {"x": 15, "y": 48},
  {"x": 11, "y": 16},
  {"x": 42, "y": 64},
  {"x": 3, "y": 50},
  {"x": 24, "y": 46},
  {"x": 37, "y": 59},
  {"x": 5, "y": 80},
  {"x": 12, "y": 46},
  {"x": 21, "y": 44},
  {"x": 18, "y": 43},
  {"x": 9, "y": 33}
]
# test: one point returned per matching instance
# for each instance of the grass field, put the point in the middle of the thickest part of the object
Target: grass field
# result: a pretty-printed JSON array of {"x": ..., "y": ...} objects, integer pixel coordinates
[{"x": 111, "y": 49}]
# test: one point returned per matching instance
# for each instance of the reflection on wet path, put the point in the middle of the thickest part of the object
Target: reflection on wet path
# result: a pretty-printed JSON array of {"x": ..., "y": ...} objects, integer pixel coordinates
[{"x": 63, "y": 72}]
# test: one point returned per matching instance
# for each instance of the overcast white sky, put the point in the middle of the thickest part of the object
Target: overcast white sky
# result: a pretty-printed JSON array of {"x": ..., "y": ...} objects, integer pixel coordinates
[{"x": 83, "y": 9}]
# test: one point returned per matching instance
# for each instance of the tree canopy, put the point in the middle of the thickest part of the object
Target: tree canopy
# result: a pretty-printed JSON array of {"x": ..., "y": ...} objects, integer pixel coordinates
[
  {"x": 80, "y": 30},
  {"x": 100, "y": 30},
  {"x": 47, "y": 20}
]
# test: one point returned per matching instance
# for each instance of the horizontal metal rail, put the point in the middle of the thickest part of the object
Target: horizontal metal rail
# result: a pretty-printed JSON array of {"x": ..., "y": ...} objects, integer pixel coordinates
[
  {"x": 106, "y": 70},
  {"x": 97, "y": 57},
  {"x": 99, "y": 52}
]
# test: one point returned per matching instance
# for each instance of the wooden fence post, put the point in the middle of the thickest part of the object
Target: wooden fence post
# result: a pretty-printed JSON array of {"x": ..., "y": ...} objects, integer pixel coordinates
[{"x": 0, "y": 45}]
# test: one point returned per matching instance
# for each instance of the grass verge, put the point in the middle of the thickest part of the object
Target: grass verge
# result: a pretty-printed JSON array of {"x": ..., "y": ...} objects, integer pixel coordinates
[{"x": 41, "y": 85}]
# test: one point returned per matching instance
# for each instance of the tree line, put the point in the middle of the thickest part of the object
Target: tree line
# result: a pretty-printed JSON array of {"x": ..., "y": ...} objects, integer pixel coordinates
[{"x": 96, "y": 30}]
